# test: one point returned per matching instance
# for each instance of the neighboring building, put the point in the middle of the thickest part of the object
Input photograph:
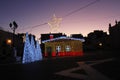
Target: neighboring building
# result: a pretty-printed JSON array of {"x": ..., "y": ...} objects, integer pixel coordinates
[
  {"x": 63, "y": 46},
  {"x": 96, "y": 40},
  {"x": 6, "y": 38},
  {"x": 114, "y": 32},
  {"x": 76, "y": 35},
  {"x": 50, "y": 35}
]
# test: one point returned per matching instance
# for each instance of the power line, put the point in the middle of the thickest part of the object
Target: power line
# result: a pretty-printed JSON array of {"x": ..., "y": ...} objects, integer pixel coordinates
[
  {"x": 30, "y": 28},
  {"x": 77, "y": 10},
  {"x": 71, "y": 13},
  {"x": 37, "y": 26}
]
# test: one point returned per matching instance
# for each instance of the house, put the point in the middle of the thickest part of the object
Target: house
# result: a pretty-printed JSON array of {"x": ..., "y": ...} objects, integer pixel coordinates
[
  {"x": 48, "y": 35},
  {"x": 114, "y": 32},
  {"x": 63, "y": 46}
]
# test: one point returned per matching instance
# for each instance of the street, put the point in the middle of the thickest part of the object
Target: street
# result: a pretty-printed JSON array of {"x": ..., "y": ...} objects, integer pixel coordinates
[{"x": 57, "y": 68}]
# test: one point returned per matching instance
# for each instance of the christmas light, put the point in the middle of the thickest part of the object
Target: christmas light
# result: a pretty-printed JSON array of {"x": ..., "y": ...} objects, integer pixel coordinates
[
  {"x": 54, "y": 23},
  {"x": 31, "y": 53},
  {"x": 28, "y": 52},
  {"x": 65, "y": 46},
  {"x": 33, "y": 47},
  {"x": 63, "y": 37},
  {"x": 38, "y": 52}
]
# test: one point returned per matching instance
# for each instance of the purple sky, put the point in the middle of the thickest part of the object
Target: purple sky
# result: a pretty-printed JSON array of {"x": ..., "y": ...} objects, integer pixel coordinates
[{"x": 29, "y": 13}]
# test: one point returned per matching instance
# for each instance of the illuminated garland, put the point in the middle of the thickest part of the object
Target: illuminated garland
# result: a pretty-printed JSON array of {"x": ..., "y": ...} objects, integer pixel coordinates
[
  {"x": 63, "y": 37},
  {"x": 75, "y": 46}
]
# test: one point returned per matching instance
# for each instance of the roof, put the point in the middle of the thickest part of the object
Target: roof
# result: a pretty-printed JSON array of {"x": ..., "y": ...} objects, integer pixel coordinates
[{"x": 63, "y": 37}]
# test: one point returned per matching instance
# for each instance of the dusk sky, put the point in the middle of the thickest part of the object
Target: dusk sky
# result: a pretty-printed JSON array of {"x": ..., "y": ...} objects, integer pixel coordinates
[{"x": 29, "y": 13}]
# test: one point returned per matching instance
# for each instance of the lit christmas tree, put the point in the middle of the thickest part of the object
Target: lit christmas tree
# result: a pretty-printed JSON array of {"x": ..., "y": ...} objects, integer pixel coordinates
[
  {"x": 38, "y": 51},
  {"x": 33, "y": 48},
  {"x": 28, "y": 52}
]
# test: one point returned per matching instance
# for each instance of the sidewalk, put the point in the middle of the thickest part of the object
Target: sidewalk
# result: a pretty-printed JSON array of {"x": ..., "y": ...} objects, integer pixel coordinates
[{"x": 92, "y": 74}]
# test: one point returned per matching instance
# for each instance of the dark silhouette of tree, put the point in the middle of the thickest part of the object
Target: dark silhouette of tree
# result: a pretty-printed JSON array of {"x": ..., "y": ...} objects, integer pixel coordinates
[{"x": 14, "y": 26}]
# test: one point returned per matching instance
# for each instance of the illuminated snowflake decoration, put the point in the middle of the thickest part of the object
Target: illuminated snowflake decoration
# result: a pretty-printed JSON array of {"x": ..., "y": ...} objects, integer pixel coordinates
[{"x": 54, "y": 23}]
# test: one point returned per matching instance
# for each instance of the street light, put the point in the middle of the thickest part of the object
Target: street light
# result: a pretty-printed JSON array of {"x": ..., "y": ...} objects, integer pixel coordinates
[
  {"x": 100, "y": 44},
  {"x": 9, "y": 41},
  {"x": 13, "y": 26}
]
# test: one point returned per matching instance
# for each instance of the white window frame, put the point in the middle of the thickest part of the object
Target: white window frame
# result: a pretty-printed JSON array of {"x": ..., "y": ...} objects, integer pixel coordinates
[
  {"x": 58, "y": 48},
  {"x": 68, "y": 48}
]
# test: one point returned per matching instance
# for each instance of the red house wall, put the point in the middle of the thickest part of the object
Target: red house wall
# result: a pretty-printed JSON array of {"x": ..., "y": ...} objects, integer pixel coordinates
[{"x": 65, "y": 54}]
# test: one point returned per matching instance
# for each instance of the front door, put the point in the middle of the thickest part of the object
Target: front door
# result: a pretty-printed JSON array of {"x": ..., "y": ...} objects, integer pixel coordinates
[{"x": 49, "y": 51}]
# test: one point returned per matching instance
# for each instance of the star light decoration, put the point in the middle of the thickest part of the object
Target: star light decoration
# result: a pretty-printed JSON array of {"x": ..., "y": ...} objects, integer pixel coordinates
[{"x": 54, "y": 23}]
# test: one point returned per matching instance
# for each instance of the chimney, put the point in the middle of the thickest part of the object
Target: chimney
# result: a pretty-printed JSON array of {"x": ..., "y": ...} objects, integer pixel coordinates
[{"x": 51, "y": 36}]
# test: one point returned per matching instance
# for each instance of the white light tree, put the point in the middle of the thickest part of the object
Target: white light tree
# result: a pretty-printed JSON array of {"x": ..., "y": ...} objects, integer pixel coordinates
[
  {"x": 31, "y": 53},
  {"x": 33, "y": 47},
  {"x": 28, "y": 52},
  {"x": 38, "y": 51}
]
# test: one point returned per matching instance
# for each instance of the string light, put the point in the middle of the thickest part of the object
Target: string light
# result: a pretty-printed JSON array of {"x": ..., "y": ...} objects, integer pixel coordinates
[{"x": 54, "y": 23}]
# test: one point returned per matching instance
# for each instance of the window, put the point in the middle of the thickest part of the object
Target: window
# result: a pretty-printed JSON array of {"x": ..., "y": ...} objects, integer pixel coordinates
[
  {"x": 68, "y": 48},
  {"x": 58, "y": 48}
]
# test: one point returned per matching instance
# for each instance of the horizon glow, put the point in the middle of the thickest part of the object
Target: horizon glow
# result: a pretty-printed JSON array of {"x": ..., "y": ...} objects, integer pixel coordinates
[{"x": 29, "y": 13}]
